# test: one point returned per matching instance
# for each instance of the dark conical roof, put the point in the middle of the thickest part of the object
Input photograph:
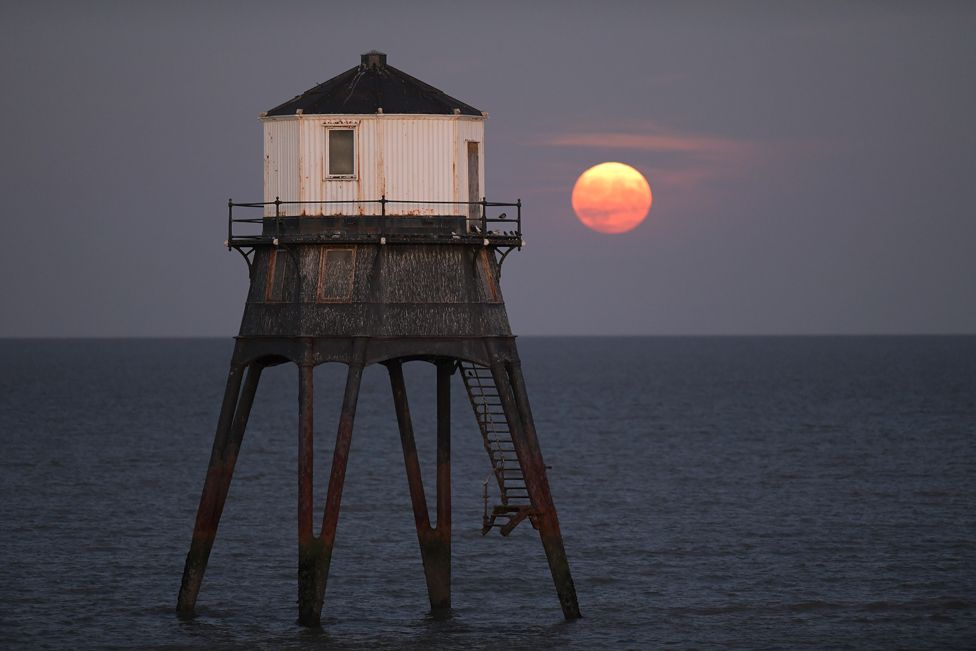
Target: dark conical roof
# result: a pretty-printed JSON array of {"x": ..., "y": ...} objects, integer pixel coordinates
[{"x": 370, "y": 86}]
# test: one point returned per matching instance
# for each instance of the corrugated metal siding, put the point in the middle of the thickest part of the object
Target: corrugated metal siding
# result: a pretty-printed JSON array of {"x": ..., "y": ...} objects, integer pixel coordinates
[
  {"x": 418, "y": 163},
  {"x": 407, "y": 158},
  {"x": 281, "y": 159}
]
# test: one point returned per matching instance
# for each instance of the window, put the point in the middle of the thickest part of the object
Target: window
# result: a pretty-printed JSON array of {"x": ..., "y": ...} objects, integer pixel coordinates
[
  {"x": 337, "y": 272},
  {"x": 341, "y": 155},
  {"x": 280, "y": 278}
]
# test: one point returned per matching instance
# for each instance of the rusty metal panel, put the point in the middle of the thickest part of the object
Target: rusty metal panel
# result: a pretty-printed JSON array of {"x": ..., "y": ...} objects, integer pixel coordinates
[
  {"x": 281, "y": 161},
  {"x": 368, "y": 152},
  {"x": 418, "y": 151},
  {"x": 344, "y": 291},
  {"x": 336, "y": 274}
]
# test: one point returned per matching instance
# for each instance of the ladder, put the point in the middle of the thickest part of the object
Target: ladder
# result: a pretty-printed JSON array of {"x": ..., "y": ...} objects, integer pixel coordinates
[{"x": 514, "y": 496}]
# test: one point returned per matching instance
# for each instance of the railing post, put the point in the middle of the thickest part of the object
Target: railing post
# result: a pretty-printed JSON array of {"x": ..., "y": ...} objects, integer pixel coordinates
[
  {"x": 484, "y": 216},
  {"x": 518, "y": 213},
  {"x": 383, "y": 205},
  {"x": 230, "y": 222},
  {"x": 277, "y": 217}
]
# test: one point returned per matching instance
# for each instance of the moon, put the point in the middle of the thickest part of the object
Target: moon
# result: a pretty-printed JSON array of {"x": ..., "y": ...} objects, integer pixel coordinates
[{"x": 611, "y": 198}]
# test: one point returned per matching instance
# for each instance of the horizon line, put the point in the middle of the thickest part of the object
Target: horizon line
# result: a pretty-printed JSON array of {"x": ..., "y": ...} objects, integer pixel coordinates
[{"x": 540, "y": 336}]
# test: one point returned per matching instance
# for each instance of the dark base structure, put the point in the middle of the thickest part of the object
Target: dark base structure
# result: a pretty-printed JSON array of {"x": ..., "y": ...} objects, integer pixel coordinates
[{"x": 496, "y": 355}]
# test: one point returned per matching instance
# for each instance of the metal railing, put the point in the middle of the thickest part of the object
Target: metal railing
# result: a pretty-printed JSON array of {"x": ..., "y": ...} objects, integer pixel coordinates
[{"x": 482, "y": 220}]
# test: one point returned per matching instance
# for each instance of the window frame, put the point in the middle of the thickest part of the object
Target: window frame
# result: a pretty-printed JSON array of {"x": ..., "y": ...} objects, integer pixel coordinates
[
  {"x": 340, "y": 126},
  {"x": 279, "y": 267},
  {"x": 320, "y": 295}
]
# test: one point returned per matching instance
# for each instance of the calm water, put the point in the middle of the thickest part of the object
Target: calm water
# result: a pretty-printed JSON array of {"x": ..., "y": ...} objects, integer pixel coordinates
[{"x": 713, "y": 492}]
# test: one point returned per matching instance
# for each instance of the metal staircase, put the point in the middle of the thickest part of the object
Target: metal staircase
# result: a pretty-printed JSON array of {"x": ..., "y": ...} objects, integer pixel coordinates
[{"x": 514, "y": 496}]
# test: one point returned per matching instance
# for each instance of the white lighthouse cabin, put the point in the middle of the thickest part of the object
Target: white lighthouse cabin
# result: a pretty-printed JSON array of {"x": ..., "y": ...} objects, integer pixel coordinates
[{"x": 370, "y": 133}]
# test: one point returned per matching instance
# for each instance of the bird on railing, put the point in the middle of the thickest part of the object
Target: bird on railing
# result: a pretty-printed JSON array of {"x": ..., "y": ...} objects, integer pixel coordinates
[{"x": 503, "y": 216}]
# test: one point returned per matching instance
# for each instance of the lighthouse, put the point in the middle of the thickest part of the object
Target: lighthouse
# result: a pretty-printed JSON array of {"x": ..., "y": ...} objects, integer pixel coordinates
[{"x": 375, "y": 244}]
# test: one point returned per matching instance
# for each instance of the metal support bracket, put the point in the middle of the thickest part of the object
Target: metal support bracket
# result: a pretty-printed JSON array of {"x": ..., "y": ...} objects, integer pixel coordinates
[
  {"x": 501, "y": 258},
  {"x": 248, "y": 259}
]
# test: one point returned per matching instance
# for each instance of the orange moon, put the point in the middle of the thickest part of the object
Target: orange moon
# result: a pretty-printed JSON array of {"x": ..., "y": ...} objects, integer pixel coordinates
[{"x": 611, "y": 198}]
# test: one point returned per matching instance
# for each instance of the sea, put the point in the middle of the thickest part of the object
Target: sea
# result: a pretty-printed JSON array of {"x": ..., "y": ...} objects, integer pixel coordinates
[{"x": 713, "y": 493}]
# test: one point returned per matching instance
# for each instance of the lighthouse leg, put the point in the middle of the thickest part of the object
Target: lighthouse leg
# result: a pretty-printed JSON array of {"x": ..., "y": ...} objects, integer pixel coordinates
[
  {"x": 515, "y": 404},
  {"x": 435, "y": 543},
  {"x": 316, "y": 557},
  {"x": 439, "y": 548},
  {"x": 308, "y": 550},
  {"x": 227, "y": 442}
]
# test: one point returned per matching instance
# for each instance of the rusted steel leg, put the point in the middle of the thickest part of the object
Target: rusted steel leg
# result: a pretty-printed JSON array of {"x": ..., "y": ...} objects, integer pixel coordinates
[
  {"x": 441, "y": 549},
  {"x": 308, "y": 550},
  {"x": 234, "y": 413},
  {"x": 320, "y": 549},
  {"x": 417, "y": 497},
  {"x": 515, "y": 403},
  {"x": 433, "y": 552}
]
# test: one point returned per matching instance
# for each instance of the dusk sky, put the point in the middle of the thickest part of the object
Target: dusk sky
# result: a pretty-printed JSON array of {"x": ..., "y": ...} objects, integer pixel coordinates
[{"x": 812, "y": 163}]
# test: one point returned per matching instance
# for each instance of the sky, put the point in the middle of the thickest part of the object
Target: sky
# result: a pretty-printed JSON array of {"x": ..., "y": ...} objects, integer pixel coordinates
[{"x": 812, "y": 162}]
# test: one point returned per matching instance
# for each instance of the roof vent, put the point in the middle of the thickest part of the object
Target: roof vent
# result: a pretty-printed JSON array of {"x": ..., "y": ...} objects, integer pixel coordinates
[{"x": 373, "y": 59}]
